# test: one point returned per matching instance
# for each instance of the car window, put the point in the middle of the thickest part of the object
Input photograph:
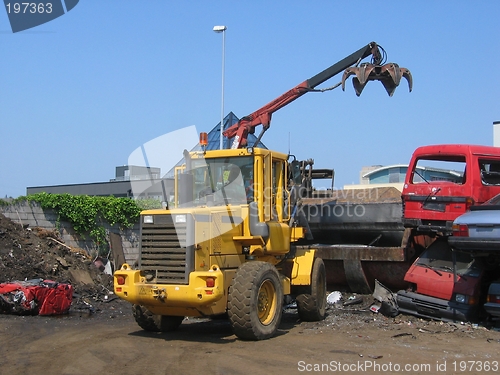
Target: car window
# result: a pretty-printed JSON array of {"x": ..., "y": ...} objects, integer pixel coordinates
[
  {"x": 490, "y": 171},
  {"x": 442, "y": 259},
  {"x": 436, "y": 168}
]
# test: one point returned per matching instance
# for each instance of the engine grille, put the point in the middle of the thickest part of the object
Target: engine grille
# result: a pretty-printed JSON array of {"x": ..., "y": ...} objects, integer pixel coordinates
[{"x": 165, "y": 257}]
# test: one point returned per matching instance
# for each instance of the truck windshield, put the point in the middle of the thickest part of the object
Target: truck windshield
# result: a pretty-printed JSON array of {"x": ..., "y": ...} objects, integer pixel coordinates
[
  {"x": 439, "y": 258},
  {"x": 222, "y": 180},
  {"x": 432, "y": 169}
]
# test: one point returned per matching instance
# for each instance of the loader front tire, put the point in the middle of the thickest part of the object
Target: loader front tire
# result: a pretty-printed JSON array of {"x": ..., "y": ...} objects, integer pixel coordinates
[
  {"x": 311, "y": 305},
  {"x": 255, "y": 301},
  {"x": 155, "y": 323}
]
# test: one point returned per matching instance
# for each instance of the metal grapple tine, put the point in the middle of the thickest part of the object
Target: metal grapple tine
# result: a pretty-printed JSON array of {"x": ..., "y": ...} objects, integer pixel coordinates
[
  {"x": 389, "y": 85},
  {"x": 347, "y": 73},
  {"x": 406, "y": 74},
  {"x": 391, "y": 74},
  {"x": 393, "y": 71},
  {"x": 358, "y": 85},
  {"x": 362, "y": 73}
]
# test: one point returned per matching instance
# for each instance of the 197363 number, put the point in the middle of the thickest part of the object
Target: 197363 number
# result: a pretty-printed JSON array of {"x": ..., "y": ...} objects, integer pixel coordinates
[{"x": 29, "y": 7}]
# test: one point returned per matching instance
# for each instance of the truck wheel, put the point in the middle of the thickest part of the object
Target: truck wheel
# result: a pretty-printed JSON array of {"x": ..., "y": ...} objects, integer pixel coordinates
[
  {"x": 255, "y": 301},
  {"x": 311, "y": 305},
  {"x": 155, "y": 323}
]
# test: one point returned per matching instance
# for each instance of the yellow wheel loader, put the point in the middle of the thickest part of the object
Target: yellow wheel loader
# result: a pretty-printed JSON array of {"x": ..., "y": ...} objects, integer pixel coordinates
[{"x": 227, "y": 244}]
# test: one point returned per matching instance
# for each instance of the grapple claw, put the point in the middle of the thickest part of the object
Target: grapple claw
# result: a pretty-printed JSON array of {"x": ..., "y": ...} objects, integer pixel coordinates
[{"x": 389, "y": 74}]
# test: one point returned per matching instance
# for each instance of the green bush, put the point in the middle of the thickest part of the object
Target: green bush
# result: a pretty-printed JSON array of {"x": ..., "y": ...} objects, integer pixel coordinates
[{"x": 87, "y": 213}]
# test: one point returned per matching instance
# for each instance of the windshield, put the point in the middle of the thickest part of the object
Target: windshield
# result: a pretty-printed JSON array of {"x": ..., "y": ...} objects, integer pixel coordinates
[
  {"x": 435, "y": 168},
  {"x": 438, "y": 258},
  {"x": 222, "y": 180}
]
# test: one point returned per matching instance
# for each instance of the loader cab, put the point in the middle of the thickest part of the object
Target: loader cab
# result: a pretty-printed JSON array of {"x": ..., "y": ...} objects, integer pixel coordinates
[{"x": 235, "y": 177}]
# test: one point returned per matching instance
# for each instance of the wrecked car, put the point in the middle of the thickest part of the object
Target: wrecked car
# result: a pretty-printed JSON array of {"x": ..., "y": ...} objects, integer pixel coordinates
[{"x": 445, "y": 285}]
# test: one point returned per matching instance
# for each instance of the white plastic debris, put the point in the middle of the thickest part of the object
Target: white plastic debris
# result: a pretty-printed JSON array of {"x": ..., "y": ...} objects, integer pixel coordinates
[{"x": 334, "y": 297}]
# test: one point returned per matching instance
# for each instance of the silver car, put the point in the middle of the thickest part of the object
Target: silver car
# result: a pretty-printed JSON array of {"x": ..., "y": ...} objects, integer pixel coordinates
[{"x": 479, "y": 229}]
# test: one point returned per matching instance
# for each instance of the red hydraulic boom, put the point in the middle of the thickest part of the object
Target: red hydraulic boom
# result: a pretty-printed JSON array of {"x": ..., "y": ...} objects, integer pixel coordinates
[{"x": 389, "y": 74}]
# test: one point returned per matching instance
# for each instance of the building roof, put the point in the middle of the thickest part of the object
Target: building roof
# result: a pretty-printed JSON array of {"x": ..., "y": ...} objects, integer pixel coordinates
[{"x": 368, "y": 174}]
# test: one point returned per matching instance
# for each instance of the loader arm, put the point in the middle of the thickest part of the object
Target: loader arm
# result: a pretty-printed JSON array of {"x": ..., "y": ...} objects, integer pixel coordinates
[{"x": 239, "y": 131}]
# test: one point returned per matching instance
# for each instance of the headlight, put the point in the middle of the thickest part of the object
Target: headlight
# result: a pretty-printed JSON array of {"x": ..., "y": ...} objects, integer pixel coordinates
[
  {"x": 461, "y": 298},
  {"x": 147, "y": 219},
  {"x": 466, "y": 299},
  {"x": 180, "y": 218}
]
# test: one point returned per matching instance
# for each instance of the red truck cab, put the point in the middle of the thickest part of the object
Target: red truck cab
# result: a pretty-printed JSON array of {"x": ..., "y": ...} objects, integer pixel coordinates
[{"x": 443, "y": 181}]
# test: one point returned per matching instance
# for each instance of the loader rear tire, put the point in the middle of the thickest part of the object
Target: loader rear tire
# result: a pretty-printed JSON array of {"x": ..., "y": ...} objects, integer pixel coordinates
[
  {"x": 155, "y": 323},
  {"x": 311, "y": 305},
  {"x": 255, "y": 301}
]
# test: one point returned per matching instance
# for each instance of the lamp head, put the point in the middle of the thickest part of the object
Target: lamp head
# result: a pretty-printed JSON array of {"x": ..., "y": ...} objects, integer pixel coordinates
[{"x": 219, "y": 29}]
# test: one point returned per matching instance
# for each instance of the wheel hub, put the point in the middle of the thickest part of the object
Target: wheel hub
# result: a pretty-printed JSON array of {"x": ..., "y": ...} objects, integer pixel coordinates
[{"x": 266, "y": 303}]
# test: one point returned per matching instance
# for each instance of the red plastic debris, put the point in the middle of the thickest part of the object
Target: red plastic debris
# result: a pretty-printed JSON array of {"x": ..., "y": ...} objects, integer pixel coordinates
[{"x": 42, "y": 297}]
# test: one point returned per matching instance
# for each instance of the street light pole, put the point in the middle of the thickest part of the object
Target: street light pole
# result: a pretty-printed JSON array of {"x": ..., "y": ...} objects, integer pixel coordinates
[{"x": 222, "y": 29}]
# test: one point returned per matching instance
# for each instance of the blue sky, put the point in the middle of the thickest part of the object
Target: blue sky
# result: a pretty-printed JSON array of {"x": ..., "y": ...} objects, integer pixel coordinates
[{"x": 79, "y": 94}]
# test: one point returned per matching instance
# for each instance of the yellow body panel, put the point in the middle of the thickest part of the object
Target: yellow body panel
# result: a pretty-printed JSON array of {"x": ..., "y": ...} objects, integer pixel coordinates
[
  {"x": 297, "y": 233},
  {"x": 279, "y": 238},
  {"x": 285, "y": 284},
  {"x": 302, "y": 266},
  {"x": 196, "y": 294}
]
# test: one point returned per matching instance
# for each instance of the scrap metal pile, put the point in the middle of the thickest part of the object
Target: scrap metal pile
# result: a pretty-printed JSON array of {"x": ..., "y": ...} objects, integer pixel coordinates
[{"x": 39, "y": 274}]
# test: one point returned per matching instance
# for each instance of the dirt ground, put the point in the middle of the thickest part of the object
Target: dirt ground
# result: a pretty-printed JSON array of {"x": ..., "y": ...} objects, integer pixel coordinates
[
  {"x": 99, "y": 335},
  {"x": 352, "y": 340}
]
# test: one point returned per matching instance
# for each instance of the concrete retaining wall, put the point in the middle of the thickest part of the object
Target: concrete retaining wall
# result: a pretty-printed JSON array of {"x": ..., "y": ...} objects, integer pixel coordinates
[{"x": 31, "y": 214}]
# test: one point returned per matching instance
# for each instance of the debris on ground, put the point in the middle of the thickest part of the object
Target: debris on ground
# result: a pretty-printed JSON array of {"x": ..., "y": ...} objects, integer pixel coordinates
[
  {"x": 387, "y": 299},
  {"x": 35, "y": 297},
  {"x": 334, "y": 297},
  {"x": 35, "y": 253},
  {"x": 358, "y": 318},
  {"x": 353, "y": 300}
]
